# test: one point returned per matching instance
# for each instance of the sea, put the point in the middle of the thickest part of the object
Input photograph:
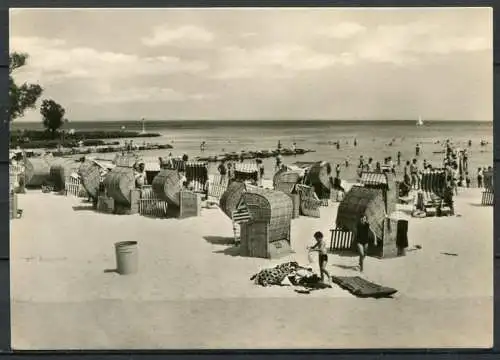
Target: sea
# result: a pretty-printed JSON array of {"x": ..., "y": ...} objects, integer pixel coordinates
[{"x": 377, "y": 139}]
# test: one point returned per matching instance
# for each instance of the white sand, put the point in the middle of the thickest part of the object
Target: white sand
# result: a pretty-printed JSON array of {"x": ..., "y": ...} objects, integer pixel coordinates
[{"x": 193, "y": 290}]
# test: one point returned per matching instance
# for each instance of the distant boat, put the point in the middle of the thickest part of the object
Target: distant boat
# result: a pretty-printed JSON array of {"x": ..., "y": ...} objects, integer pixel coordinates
[{"x": 420, "y": 122}]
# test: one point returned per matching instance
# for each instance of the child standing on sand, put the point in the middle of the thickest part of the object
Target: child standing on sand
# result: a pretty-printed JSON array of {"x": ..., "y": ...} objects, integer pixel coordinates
[{"x": 320, "y": 247}]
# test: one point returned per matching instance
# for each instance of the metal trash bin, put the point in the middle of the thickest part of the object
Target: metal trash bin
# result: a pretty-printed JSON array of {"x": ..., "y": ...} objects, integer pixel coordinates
[{"x": 127, "y": 259}]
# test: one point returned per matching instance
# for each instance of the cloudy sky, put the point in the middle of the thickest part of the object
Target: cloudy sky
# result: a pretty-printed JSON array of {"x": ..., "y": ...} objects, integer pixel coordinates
[{"x": 260, "y": 63}]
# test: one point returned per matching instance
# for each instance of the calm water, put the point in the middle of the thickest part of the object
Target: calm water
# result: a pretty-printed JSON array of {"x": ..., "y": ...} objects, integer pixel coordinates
[{"x": 373, "y": 138}]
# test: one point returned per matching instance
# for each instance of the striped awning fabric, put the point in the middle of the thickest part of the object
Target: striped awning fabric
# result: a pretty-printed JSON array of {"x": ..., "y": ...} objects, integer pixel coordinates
[
  {"x": 196, "y": 163},
  {"x": 372, "y": 178},
  {"x": 152, "y": 166},
  {"x": 241, "y": 214},
  {"x": 246, "y": 167}
]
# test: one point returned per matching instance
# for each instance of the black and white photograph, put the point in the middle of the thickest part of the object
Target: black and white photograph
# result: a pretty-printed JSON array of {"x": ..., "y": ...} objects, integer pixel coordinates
[{"x": 251, "y": 178}]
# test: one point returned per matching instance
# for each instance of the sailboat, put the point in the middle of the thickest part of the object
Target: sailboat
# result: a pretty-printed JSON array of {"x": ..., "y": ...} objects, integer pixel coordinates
[{"x": 420, "y": 122}]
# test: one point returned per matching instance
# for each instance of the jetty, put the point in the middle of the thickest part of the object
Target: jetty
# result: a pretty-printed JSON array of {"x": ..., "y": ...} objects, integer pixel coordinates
[{"x": 250, "y": 155}]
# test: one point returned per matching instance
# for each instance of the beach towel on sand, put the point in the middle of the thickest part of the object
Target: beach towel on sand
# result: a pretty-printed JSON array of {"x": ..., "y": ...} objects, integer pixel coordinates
[{"x": 363, "y": 288}]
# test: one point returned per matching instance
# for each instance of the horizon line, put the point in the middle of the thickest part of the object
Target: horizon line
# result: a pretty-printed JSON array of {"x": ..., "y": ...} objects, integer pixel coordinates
[{"x": 259, "y": 120}]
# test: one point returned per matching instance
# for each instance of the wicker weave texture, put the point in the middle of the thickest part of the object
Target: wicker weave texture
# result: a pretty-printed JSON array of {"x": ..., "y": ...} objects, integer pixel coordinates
[
  {"x": 60, "y": 169},
  {"x": 167, "y": 186},
  {"x": 118, "y": 183},
  {"x": 90, "y": 174},
  {"x": 319, "y": 174},
  {"x": 37, "y": 171},
  {"x": 231, "y": 197},
  {"x": 272, "y": 207},
  {"x": 309, "y": 202},
  {"x": 361, "y": 201},
  {"x": 286, "y": 181}
]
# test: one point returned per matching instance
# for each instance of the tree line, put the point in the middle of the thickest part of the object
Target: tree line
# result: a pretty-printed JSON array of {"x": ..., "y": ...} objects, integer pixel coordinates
[{"x": 23, "y": 97}]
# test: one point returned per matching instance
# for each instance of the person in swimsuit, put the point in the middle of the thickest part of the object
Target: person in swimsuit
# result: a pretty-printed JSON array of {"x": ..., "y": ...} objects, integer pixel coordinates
[
  {"x": 320, "y": 247},
  {"x": 362, "y": 239}
]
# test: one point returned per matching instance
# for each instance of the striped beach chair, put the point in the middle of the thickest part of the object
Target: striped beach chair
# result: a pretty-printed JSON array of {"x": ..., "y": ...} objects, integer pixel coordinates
[
  {"x": 239, "y": 216},
  {"x": 487, "y": 198},
  {"x": 246, "y": 172},
  {"x": 370, "y": 178},
  {"x": 150, "y": 204},
  {"x": 433, "y": 183},
  {"x": 73, "y": 186},
  {"x": 16, "y": 171},
  {"x": 309, "y": 202},
  {"x": 197, "y": 175},
  {"x": 341, "y": 240},
  {"x": 217, "y": 185}
]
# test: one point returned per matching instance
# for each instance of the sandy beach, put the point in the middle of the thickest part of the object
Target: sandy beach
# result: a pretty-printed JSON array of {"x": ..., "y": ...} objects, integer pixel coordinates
[{"x": 193, "y": 288}]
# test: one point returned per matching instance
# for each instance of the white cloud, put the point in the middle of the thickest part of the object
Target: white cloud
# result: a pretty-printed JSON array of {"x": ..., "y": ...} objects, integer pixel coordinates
[
  {"x": 165, "y": 35},
  {"x": 248, "y": 34},
  {"x": 141, "y": 95},
  {"x": 52, "y": 61},
  {"x": 342, "y": 30},
  {"x": 275, "y": 61},
  {"x": 404, "y": 44}
]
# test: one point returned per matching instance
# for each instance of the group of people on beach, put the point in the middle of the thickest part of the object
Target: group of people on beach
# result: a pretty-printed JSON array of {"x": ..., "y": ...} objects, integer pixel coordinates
[{"x": 227, "y": 171}]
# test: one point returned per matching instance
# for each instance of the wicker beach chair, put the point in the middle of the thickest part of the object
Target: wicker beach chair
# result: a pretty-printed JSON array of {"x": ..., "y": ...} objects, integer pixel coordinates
[
  {"x": 309, "y": 202},
  {"x": 217, "y": 185},
  {"x": 488, "y": 197},
  {"x": 150, "y": 204},
  {"x": 433, "y": 185}
]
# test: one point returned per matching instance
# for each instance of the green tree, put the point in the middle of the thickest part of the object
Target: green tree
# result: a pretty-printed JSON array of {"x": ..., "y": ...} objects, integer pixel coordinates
[
  {"x": 53, "y": 116},
  {"x": 22, "y": 97}
]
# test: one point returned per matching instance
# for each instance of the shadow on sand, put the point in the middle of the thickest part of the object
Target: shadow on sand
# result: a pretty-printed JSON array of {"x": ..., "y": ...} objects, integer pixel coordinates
[
  {"x": 479, "y": 205},
  {"x": 219, "y": 240},
  {"x": 347, "y": 267},
  {"x": 107, "y": 271},
  {"x": 83, "y": 208}
]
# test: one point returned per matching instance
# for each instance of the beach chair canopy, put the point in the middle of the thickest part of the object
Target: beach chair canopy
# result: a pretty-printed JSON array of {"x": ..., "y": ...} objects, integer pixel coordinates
[
  {"x": 272, "y": 207},
  {"x": 286, "y": 181},
  {"x": 248, "y": 168},
  {"x": 359, "y": 201},
  {"x": 433, "y": 182}
]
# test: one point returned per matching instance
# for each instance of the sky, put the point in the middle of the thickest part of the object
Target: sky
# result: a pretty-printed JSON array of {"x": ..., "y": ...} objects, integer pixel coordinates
[{"x": 259, "y": 64}]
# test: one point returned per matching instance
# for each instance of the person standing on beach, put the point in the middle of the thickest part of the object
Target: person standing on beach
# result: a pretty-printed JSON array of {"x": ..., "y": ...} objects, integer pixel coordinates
[
  {"x": 414, "y": 175},
  {"x": 355, "y": 142},
  {"x": 222, "y": 172},
  {"x": 465, "y": 160},
  {"x": 399, "y": 158},
  {"x": 294, "y": 149},
  {"x": 320, "y": 247},
  {"x": 260, "y": 166},
  {"x": 479, "y": 178},
  {"x": 362, "y": 239},
  {"x": 278, "y": 161},
  {"x": 369, "y": 166},
  {"x": 230, "y": 172},
  {"x": 417, "y": 150},
  {"x": 467, "y": 179}
]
